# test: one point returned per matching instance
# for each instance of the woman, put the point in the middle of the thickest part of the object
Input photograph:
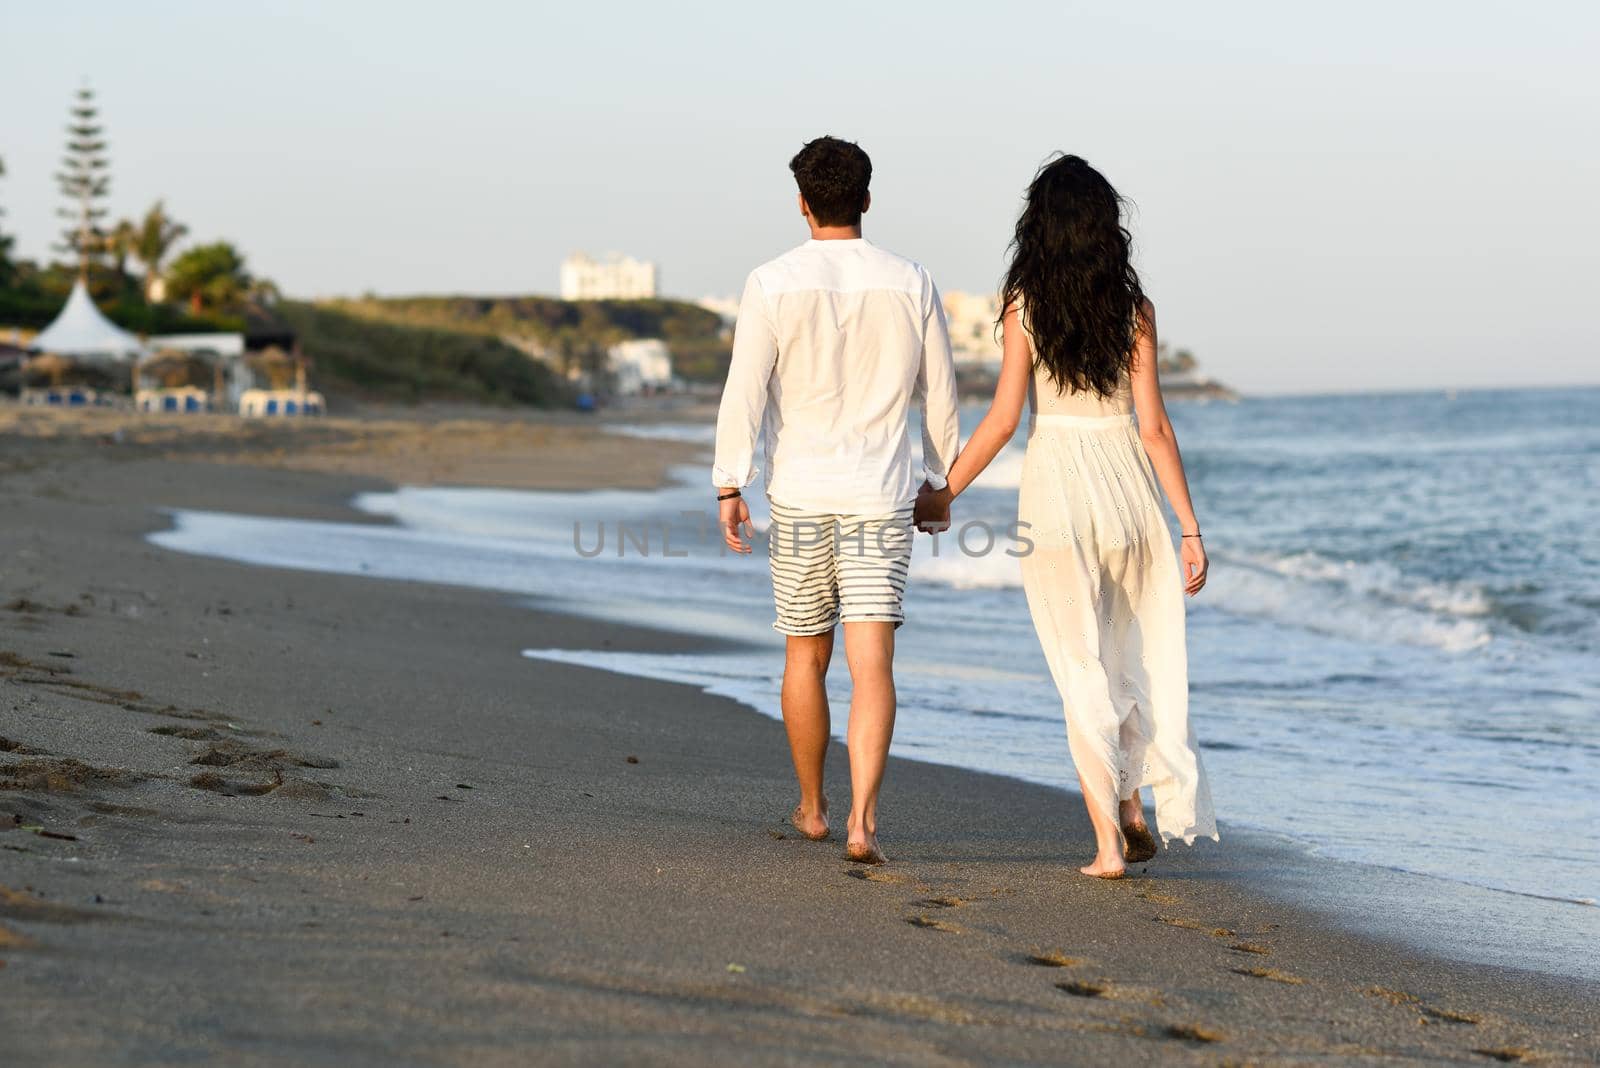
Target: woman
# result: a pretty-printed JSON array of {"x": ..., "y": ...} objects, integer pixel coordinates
[{"x": 1102, "y": 584}]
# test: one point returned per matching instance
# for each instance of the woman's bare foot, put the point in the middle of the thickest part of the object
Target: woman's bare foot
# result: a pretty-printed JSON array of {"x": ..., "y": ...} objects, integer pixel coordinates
[
  {"x": 812, "y": 825},
  {"x": 1105, "y": 867},
  {"x": 1141, "y": 844},
  {"x": 862, "y": 846}
]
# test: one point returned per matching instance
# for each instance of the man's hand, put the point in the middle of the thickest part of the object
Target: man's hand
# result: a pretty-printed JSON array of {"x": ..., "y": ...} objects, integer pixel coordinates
[
  {"x": 932, "y": 510},
  {"x": 733, "y": 515}
]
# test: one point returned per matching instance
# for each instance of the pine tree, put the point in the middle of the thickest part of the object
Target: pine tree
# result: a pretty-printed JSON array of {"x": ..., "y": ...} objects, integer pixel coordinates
[
  {"x": 5, "y": 241},
  {"x": 85, "y": 181}
]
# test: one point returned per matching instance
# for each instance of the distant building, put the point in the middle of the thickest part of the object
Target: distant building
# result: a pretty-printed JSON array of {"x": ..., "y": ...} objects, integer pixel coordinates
[
  {"x": 971, "y": 317},
  {"x": 640, "y": 366},
  {"x": 725, "y": 307},
  {"x": 615, "y": 277}
]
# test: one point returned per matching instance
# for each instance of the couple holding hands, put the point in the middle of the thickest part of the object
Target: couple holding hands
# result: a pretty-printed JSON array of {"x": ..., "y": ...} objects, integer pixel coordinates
[{"x": 836, "y": 341}]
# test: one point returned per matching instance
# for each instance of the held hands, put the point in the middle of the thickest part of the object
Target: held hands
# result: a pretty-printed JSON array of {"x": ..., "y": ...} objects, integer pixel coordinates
[
  {"x": 1195, "y": 564},
  {"x": 733, "y": 517},
  {"x": 931, "y": 514}
]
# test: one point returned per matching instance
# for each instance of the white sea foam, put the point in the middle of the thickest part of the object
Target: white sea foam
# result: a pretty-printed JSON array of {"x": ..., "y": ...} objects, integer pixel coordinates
[
  {"x": 693, "y": 433},
  {"x": 1334, "y": 604},
  {"x": 1379, "y": 580}
]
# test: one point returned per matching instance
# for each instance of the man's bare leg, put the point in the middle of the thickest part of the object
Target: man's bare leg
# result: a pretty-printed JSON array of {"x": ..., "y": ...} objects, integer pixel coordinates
[
  {"x": 805, "y": 717},
  {"x": 869, "y": 648}
]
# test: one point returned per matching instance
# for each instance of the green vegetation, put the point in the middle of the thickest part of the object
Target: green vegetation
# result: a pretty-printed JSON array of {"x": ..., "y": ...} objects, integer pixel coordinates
[
  {"x": 569, "y": 334},
  {"x": 414, "y": 363},
  {"x": 31, "y": 296},
  {"x": 209, "y": 276},
  {"x": 1169, "y": 362}
]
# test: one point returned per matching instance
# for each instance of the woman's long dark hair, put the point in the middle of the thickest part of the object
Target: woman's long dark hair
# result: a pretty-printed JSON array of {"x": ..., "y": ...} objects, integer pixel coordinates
[{"x": 1072, "y": 276}]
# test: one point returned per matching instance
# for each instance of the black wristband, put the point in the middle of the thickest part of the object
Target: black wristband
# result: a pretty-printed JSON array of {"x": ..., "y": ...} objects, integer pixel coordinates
[{"x": 730, "y": 496}]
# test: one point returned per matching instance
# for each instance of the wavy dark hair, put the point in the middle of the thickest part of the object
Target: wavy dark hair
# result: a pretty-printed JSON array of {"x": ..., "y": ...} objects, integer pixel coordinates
[{"x": 1072, "y": 276}]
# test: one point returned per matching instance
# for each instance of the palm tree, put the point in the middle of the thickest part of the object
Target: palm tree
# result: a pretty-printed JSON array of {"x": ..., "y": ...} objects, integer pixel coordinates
[
  {"x": 120, "y": 242},
  {"x": 156, "y": 235}
]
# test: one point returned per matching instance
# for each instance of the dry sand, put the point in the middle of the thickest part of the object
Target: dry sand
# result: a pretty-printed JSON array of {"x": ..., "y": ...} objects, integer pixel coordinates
[{"x": 261, "y": 816}]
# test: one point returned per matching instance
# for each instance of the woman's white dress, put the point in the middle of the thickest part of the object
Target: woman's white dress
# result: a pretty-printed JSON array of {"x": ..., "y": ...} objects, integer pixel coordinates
[{"x": 1106, "y": 594}]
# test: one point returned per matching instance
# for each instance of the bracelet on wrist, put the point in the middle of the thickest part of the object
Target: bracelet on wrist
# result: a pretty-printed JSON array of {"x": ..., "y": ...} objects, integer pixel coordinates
[
  {"x": 1196, "y": 534},
  {"x": 729, "y": 496}
]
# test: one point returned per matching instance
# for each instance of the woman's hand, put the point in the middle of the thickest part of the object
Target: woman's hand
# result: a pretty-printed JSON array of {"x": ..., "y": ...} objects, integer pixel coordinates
[
  {"x": 1193, "y": 555},
  {"x": 733, "y": 515}
]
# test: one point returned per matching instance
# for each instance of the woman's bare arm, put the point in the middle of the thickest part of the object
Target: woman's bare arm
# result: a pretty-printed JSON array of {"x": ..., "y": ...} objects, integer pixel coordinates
[
  {"x": 1161, "y": 445},
  {"x": 1005, "y": 410}
]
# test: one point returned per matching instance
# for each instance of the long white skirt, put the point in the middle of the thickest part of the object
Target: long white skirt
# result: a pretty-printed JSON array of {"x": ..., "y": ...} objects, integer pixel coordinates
[{"x": 1106, "y": 593}]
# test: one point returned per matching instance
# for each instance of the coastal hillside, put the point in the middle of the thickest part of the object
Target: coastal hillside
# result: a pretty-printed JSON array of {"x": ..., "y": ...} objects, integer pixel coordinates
[
  {"x": 563, "y": 334},
  {"x": 379, "y": 360}
]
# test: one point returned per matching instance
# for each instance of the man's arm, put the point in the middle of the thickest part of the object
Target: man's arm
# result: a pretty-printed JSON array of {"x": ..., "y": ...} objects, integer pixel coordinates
[
  {"x": 744, "y": 403},
  {"x": 936, "y": 391}
]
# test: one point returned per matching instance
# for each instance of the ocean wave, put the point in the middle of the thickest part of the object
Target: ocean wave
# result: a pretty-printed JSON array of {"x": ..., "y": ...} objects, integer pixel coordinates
[
  {"x": 1380, "y": 580},
  {"x": 1368, "y": 603},
  {"x": 1374, "y": 602}
]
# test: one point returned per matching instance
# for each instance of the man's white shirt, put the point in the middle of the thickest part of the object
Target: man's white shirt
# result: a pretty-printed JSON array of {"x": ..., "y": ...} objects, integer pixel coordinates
[{"x": 836, "y": 340}]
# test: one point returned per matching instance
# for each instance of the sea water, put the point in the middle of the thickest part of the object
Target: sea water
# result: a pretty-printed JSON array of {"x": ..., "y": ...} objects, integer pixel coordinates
[{"x": 1396, "y": 660}]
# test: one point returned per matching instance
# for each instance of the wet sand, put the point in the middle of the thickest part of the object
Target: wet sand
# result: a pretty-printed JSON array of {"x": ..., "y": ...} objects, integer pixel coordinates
[{"x": 262, "y": 816}]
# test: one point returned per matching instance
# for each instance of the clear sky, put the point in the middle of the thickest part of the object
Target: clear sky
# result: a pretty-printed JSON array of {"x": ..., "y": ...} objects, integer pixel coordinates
[{"x": 1348, "y": 196}]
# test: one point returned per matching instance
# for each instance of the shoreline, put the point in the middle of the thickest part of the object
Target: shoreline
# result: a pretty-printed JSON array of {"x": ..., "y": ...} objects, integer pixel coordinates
[{"x": 596, "y": 951}]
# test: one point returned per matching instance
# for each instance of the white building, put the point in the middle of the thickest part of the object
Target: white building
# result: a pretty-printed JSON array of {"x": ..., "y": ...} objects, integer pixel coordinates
[
  {"x": 971, "y": 318},
  {"x": 726, "y": 308},
  {"x": 640, "y": 365},
  {"x": 614, "y": 277}
]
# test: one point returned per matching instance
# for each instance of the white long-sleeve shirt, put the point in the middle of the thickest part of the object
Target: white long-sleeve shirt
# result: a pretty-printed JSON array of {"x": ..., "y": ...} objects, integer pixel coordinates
[{"x": 835, "y": 342}]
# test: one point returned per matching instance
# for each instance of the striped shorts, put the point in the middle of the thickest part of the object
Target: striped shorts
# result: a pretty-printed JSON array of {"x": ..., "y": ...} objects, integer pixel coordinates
[{"x": 829, "y": 569}]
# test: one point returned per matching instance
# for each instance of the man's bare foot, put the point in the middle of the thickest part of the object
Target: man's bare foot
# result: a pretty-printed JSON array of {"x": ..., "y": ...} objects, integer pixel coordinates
[
  {"x": 812, "y": 825},
  {"x": 862, "y": 847},
  {"x": 866, "y": 852}
]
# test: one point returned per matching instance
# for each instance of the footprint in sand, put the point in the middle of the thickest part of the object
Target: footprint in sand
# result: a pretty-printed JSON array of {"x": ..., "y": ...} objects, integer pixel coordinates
[
  {"x": 874, "y": 875},
  {"x": 1270, "y": 973},
  {"x": 1156, "y": 897},
  {"x": 1251, "y": 947},
  {"x": 193, "y": 734},
  {"x": 1083, "y": 989},
  {"x": 214, "y": 783},
  {"x": 1052, "y": 958},
  {"x": 1195, "y": 925},
  {"x": 1192, "y": 1033},
  {"x": 949, "y": 902},
  {"x": 932, "y": 924}
]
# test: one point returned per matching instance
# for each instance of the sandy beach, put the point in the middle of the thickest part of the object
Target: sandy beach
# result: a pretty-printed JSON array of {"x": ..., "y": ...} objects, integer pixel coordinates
[{"x": 264, "y": 816}]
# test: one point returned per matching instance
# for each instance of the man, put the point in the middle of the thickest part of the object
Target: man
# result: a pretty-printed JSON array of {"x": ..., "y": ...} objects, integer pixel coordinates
[{"x": 835, "y": 341}]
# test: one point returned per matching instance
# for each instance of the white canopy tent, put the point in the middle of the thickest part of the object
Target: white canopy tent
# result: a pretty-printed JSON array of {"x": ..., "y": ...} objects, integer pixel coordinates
[{"x": 81, "y": 331}]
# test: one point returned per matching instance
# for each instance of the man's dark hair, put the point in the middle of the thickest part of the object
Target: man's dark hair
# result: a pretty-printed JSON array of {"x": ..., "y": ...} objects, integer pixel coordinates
[{"x": 833, "y": 176}]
